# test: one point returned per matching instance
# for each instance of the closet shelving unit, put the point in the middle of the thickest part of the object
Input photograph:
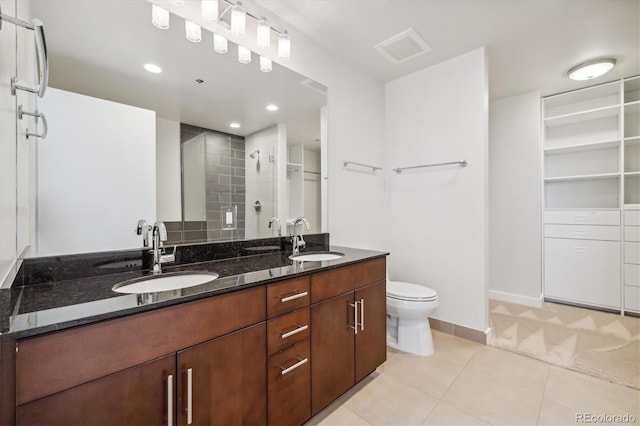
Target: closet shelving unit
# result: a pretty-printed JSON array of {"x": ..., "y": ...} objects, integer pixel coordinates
[{"x": 591, "y": 170}]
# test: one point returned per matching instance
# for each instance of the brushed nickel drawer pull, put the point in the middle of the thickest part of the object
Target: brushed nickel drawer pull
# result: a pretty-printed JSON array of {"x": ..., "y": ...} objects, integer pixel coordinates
[
  {"x": 170, "y": 400},
  {"x": 300, "y": 328},
  {"x": 294, "y": 297},
  {"x": 355, "y": 317},
  {"x": 362, "y": 314},
  {"x": 300, "y": 363}
]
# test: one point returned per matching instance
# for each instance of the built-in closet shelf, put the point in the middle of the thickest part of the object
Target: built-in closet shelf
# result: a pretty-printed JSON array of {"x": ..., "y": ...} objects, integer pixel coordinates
[
  {"x": 582, "y": 177},
  {"x": 582, "y": 209},
  {"x": 294, "y": 167},
  {"x": 582, "y": 147},
  {"x": 632, "y": 173},
  {"x": 632, "y": 139},
  {"x": 576, "y": 117},
  {"x": 632, "y": 107},
  {"x": 632, "y": 206}
]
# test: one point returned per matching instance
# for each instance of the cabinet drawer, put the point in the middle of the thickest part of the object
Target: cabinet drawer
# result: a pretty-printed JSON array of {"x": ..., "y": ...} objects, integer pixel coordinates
[
  {"x": 583, "y": 232},
  {"x": 632, "y": 253},
  {"x": 583, "y": 271},
  {"x": 632, "y": 217},
  {"x": 287, "y": 296},
  {"x": 632, "y": 274},
  {"x": 288, "y": 329},
  {"x": 342, "y": 280},
  {"x": 289, "y": 385},
  {"x": 632, "y": 298},
  {"x": 582, "y": 217},
  {"x": 632, "y": 233},
  {"x": 58, "y": 361}
]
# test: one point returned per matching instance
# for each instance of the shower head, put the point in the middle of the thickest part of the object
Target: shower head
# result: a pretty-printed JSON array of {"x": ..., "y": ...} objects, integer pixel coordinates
[{"x": 255, "y": 153}]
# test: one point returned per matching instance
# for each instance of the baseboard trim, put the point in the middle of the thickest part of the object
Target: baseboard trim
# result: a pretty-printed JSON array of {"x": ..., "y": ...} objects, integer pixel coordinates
[
  {"x": 534, "y": 302},
  {"x": 459, "y": 330}
]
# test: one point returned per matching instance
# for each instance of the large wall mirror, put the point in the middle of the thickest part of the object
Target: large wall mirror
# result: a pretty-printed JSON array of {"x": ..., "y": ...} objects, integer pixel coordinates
[{"x": 126, "y": 144}]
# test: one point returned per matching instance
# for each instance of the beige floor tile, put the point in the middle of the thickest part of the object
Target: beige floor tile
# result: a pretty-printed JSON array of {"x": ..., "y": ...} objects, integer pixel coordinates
[
  {"x": 452, "y": 349},
  {"x": 343, "y": 417},
  {"x": 493, "y": 401},
  {"x": 589, "y": 394},
  {"x": 387, "y": 401},
  {"x": 552, "y": 413},
  {"x": 427, "y": 374},
  {"x": 509, "y": 368},
  {"x": 445, "y": 414}
]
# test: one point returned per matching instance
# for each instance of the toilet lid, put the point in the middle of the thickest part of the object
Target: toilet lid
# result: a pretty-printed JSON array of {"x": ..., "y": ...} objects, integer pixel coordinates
[{"x": 409, "y": 291}]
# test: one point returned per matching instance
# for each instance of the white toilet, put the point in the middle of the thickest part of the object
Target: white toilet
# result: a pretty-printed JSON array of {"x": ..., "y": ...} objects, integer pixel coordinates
[{"x": 408, "y": 309}]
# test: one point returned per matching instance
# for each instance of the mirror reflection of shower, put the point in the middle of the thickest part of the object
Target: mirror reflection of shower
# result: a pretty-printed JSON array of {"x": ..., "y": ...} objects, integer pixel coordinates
[{"x": 255, "y": 154}]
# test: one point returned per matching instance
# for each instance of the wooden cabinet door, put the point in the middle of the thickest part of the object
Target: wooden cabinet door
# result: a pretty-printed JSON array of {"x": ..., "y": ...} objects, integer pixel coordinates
[
  {"x": 371, "y": 340},
  {"x": 137, "y": 396},
  {"x": 226, "y": 380},
  {"x": 332, "y": 350}
]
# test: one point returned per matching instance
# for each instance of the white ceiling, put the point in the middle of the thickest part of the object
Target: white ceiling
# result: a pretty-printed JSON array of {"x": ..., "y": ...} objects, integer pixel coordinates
[
  {"x": 98, "y": 48},
  {"x": 531, "y": 43}
]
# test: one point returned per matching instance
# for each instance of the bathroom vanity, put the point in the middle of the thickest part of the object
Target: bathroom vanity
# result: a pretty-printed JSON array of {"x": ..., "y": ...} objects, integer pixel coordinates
[{"x": 273, "y": 345}]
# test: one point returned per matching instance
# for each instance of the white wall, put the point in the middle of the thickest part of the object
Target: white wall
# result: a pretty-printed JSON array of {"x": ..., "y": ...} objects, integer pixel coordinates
[
  {"x": 515, "y": 195},
  {"x": 115, "y": 145},
  {"x": 438, "y": 216},
  {"x": 260, "y": 182},
  {"x": 168, "y": 174}
]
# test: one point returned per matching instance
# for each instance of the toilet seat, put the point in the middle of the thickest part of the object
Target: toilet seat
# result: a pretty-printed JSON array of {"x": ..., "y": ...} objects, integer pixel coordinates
[{"x": 410, "y": 292}]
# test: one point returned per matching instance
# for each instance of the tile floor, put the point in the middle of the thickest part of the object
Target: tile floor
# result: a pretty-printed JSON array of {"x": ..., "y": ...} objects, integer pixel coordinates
[{"x": 465, "y": 383}]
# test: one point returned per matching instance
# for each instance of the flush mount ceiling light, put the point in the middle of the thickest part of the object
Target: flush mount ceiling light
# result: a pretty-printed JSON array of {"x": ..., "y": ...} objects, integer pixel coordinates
[
  {"x": 591, "y": 69},
  {"x": 234, "y": 125},
  {"x": 272, "y": 107},
  {"x": 152, "y": 68}
]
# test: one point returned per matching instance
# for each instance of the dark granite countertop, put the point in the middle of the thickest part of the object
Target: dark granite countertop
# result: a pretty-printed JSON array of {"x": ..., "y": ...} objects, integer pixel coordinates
[{"x": 34, "y": 309}]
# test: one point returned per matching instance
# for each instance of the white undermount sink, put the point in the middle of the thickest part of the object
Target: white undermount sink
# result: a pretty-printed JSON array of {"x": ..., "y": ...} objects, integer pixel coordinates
[
  {"x": 317, "y": 256},
  {"x": 164, "y": 282}
]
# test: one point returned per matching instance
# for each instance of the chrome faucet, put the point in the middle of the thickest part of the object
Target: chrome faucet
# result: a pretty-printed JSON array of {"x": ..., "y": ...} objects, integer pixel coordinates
[
  {"x": 159, "y": 233},
  {"x": 275, "y": 219},
  {"x": 297, "y": 240},
  {"x": 143, "y": 229}
]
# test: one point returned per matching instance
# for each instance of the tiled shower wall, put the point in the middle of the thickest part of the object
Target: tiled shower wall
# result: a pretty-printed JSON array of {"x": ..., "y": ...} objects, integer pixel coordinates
[{"x": 224, "y": 177}]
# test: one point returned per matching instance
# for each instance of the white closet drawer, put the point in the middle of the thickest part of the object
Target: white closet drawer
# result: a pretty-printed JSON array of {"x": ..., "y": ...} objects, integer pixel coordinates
[
  {"x": 583, "y": 271},
  {"x": 632, "y": 275},
  {"x": 582, "y": 217},
  {"x": 583, "y": 232},
  {"x": 632, "y": 253},
  {"x": 632, "y": 298},
  {"x": 632, "y": 217},
  {"x": 632, "y": 233}
]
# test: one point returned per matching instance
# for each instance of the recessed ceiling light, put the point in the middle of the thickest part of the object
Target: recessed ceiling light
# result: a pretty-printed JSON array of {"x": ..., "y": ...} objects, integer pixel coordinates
[
  {"x": 272, "y": 107},
  {"x": 152, "y": 68},
  {"x": 591, "y": 69},
  {"x": 234, "y": 125}
]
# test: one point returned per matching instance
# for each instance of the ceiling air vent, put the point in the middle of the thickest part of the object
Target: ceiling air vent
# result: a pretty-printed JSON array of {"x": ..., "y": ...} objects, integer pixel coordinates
[
  {"x": 402, "y": 47},
  {"x": 314, "y": 85}
]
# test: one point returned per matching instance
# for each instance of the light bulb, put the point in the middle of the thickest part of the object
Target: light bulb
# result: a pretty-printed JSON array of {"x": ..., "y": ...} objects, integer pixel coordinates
[
  {"x": 238, "y": 19},
  {"x": 210, "y": 10},
  {"x": 220, "y": 44},
  {"x": 159, "y": 17},
  {"x": 193, "y": 32},
  {"x": 265, "y": 64},
  {"x": 284, "y": 46},
  {"x": 263, "y": 32},
  {"x": 244, "y": 55}
]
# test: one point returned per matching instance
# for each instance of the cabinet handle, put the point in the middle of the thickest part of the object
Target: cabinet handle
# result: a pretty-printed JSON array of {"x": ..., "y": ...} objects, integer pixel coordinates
[
  {"x": 300, "y": 363},
  {"x": 190, "y": 396},
  {"x": 362, "y": 314},
  {"x": 170, "y": 400},
  {"x": 355, "y": 317},
  {"x": 292, "y": 332},
  {"x": 293, "y": 297},
  {"x": 579, "y": 217}
]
